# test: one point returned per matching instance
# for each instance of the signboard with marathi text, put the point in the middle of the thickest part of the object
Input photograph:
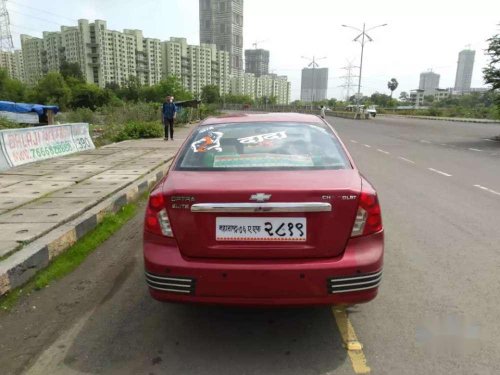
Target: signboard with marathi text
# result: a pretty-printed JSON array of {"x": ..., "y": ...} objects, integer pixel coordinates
[{"x": 28, "y": 145}]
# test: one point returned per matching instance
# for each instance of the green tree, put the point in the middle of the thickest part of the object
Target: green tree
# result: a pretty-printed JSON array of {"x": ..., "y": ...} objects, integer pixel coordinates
[
  {"x": 150, "y": 94},
  {"x": 168, "y": 86},
  {"x": 90, "y": 96},
  {"x": 71, "y": 70},
  {"x": 173, "y": 86},
  {"x": 492, "y": 71},
  {"x": 210, "y": 94},
  {"x": 132, "y": 89},
  {"x": 332, "y": 103},
  {"x": 238, "y": 99},
  {"x": 11, "y": 89},
  {"x": 381, "y": 100},
  {"x": 392, "y": 85},
  {"x": 52, "y": 89},
  {"x": 428, "y": 99},
  {"x": 113, "y": 86},
  {"x": 403, "y": 96}
]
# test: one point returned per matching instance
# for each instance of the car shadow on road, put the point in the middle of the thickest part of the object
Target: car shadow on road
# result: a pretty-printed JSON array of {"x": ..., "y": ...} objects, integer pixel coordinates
[{"x": 149, "y": 337}]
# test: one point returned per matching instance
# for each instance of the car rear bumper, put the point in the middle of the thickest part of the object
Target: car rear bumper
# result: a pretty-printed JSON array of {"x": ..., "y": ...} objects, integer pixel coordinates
[{"x": 350, "y": 279}]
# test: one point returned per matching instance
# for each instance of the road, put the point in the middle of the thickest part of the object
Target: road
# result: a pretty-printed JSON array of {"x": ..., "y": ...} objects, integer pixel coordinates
[{"x": 437, "y": 311}]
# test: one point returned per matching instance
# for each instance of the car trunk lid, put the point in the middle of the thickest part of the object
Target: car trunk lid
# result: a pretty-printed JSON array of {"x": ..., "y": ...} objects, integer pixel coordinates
[{"x": 214, "y": 214}]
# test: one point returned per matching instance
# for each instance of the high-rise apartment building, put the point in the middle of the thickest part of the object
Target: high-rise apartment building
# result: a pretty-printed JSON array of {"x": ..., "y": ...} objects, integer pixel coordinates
[
  {"x": 221, "y": 23},
  {"x": 257, "y": 61},
  {"x": 108, "y": 56},
  {"x": 196, "y": 66},
  {"x": 265, "y": 86},
  {"x": 429, "y": 81},
  {"x": 148, "y": 55},
  {"x": 244, "y": 84},
  {"x": 105, "y": 56},
  {"x": 314, "y": 84},
  {"x": 465, "y": 67},
  {"x": 13, "y": 63},
  {"x": 32, "y": 49}
]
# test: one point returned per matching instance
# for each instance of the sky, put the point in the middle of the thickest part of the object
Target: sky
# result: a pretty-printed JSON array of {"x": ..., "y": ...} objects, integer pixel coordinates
[{"x": 419, "y": 36}]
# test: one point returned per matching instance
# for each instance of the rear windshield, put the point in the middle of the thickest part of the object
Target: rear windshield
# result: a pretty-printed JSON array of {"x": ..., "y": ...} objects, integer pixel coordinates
[{"x": 263, "y": 146}]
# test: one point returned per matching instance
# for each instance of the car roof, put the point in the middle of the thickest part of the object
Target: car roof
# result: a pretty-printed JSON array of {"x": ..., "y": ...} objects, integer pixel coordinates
[{"x": 262, "y": 117}]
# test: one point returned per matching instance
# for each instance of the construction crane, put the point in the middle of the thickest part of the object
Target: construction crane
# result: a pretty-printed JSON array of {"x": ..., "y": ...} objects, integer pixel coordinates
[{"x": 257, "y": 42}]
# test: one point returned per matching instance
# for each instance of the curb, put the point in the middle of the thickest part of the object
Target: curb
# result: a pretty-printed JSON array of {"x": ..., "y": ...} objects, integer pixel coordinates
[
  {"x": 452, "y": 119},
  {"x": 21, "y": 266}
]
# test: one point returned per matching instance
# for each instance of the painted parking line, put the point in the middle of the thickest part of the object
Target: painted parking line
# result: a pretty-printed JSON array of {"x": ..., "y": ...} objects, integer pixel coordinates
[
  {"x": 350, "y": 340},
  {"x": 475, "y": 149},
  {"x": 406, "y": 160},
  {"x": 353, "y": 141},
  {"x": 425, "y": 141},
  {"x": 383, "y": 151},
  {"x": 367, "y": 146},
  {"x": 439, "y": 172},
  {"x": 487, "y": 189}
]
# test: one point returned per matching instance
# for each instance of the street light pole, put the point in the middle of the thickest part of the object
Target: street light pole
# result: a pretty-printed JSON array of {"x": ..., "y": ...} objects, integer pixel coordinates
[
  {"x": 362, "y": 36},
  {"x": 360, "y": 67},
  {"x": 313, "y": 83}
]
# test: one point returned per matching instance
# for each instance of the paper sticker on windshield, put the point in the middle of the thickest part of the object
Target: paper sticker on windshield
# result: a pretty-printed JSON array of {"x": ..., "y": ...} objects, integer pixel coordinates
[
  {"x": 211, "y": 141},
  {"x": 262, "y": 137},
  {"x": 206, "y": 130},
  {"x": 262, "y": 161}
]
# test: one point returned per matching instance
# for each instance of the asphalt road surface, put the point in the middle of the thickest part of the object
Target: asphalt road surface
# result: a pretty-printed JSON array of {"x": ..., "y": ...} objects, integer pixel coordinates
[{"x": 437, "y": 311}]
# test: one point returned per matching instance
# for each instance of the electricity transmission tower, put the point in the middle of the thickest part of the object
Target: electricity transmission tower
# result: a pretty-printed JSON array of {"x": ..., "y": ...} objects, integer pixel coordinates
[
  {"x": 6, "y": 43},
  {"x": 348, "y": 79}
]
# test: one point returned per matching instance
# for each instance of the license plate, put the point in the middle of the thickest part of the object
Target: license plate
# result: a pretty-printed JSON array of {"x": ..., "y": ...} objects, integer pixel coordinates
[{"x": 261, "y": 229}]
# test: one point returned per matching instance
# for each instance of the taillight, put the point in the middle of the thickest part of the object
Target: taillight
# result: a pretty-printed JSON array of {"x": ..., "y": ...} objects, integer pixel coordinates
[
  {"x": 156, "y": 220},
  {"x": 368, "y": 217}
]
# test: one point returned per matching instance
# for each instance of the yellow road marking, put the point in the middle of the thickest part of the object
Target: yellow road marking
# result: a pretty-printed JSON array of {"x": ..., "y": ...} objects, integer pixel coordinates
[{"x": 353, "y": 346}]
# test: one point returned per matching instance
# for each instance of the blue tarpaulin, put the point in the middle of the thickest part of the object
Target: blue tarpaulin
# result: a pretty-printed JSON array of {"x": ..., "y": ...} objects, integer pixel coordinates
[{"x": 26, "y": 108}]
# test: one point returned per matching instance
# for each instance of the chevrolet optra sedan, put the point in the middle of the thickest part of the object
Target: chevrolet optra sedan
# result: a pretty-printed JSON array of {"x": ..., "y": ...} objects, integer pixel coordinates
[{"x": 263, "y": 210}]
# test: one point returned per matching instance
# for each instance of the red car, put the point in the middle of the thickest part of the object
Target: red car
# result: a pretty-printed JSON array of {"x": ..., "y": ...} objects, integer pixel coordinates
[{"x": 263, "y": 210}]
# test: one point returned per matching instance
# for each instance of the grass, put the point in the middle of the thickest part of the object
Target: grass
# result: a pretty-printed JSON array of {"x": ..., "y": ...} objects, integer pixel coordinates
[{"x": 74, "y": 256}]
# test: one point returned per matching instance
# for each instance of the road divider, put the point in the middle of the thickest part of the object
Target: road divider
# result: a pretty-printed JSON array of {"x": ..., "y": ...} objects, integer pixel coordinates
[{"x": 21, "y": 266}]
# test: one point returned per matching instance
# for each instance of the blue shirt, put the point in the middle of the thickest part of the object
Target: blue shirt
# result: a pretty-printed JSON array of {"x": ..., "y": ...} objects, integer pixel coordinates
[{"x": 169, "y": 109}]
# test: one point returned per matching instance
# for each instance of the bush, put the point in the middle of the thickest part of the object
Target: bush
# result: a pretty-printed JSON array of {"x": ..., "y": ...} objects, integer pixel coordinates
[
  {"x": 138, "y": 130},
  {"x": 8, "y": 124},
  {"x": 434, "y": 112},
  {"x": 207, "y": 110},
  {"x": 78, "y": 115},
  {"x": 120, "y": 114}
]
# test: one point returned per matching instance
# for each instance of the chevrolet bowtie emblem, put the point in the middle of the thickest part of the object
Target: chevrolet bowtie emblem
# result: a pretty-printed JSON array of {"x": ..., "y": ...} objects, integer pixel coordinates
[{"x": 260, "y": 197}]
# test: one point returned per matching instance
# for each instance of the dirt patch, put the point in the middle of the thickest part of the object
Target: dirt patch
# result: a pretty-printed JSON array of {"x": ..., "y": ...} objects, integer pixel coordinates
[{"x": 39, "y": 318}]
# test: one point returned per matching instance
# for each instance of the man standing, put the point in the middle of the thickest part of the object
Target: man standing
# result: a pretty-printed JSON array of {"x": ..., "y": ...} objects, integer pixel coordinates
[{"x": 169, "y": 112}]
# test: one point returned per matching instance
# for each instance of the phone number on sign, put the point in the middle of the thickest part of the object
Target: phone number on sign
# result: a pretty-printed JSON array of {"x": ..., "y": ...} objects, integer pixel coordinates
[{"x": 47, "y": 151}]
